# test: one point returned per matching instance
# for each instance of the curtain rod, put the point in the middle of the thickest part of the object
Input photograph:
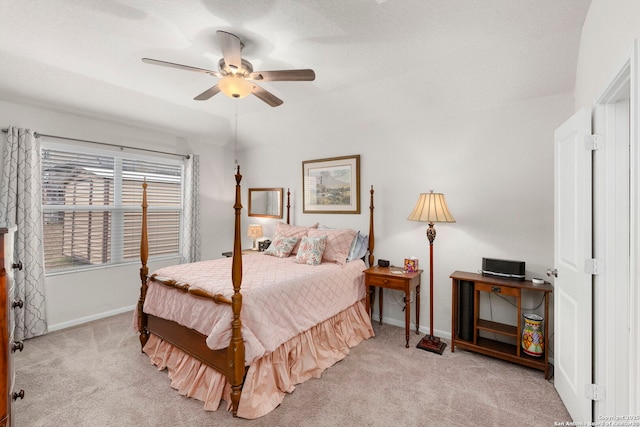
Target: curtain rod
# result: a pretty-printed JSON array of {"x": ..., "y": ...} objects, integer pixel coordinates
[{"x": 186, "y": 156}]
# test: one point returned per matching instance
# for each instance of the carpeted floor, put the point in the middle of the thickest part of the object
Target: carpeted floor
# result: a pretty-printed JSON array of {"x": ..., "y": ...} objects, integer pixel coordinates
[{"x": 95, "y": 375}]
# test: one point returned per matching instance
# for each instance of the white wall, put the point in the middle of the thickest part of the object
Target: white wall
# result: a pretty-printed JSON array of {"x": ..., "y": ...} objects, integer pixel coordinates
[
  {"x": 607, "y": 38},
  {"x": 494, "y": 166},
  {"x": 78, "y": 297}
]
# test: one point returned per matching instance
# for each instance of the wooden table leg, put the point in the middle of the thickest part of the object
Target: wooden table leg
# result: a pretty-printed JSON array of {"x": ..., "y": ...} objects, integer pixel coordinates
[
  {"x": 380, "y": 302},
  {"x": 454, "y": 313},
  {"x": 418, "y": 309}
]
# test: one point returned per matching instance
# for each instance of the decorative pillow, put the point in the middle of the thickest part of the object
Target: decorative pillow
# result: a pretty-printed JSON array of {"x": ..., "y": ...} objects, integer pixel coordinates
[
  {"x": 352, "y": 248},
  {"x": 359, "y": 247},
  {"x": 287, "y": 230},
  {"x": 281, "y": 246},
  {"x": 338, "y": 244},
  {"x": 311, "y": 250}
]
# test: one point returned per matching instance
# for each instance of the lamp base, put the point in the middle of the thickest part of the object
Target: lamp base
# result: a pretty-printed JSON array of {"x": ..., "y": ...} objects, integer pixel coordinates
[{"x": 432, "y": 343}]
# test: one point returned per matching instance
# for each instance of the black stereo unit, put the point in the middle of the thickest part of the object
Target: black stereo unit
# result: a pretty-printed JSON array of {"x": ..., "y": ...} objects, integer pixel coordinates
[{"x": 503, "y": 268}]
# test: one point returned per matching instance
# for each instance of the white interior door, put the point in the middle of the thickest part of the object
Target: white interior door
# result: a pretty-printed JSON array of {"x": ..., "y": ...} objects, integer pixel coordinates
[{"x": 572, "y": 248}]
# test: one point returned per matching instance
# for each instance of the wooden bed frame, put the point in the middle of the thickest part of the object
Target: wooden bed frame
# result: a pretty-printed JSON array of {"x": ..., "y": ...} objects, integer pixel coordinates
[{"x": 228, "y": 361}]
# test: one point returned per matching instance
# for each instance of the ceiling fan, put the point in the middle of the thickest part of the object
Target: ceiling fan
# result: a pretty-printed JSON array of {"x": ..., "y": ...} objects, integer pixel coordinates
[{"x": 237, "y": 78}]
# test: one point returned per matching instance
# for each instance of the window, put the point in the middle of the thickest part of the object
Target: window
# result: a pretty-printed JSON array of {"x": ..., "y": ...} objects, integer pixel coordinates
[{"x": 92, "y": 206}]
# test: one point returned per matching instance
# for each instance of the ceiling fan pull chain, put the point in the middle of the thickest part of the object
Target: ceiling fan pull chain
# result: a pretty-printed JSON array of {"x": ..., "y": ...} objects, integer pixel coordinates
[{"x": 235, "y": 139}]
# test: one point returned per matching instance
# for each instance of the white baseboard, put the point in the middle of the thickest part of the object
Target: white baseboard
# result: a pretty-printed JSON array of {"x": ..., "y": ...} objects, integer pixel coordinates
[
  {"x": 81, "y": 320},
  {"x": 423, "y": 329}
]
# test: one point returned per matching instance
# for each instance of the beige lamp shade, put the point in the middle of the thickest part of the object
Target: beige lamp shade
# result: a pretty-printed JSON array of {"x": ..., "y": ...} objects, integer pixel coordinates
[
  {"x": 255, "y": 231},
  {"x": 235, "y": 87},
  {"x": 431, "y": 207}
]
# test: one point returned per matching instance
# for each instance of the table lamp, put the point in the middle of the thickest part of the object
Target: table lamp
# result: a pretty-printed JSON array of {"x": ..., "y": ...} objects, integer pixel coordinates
[{"x": 255, "y": 232}]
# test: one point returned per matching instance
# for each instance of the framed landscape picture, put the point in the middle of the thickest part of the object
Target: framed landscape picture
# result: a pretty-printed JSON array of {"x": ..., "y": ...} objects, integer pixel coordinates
[{"x": 331, "y": 185}]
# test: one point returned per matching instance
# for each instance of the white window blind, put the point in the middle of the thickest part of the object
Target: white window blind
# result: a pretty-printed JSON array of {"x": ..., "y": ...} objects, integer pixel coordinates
[{"x": 92, "y": 207}]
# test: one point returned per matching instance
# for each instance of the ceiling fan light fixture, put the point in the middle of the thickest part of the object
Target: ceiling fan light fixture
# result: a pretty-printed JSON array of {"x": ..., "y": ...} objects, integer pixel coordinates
[{"x": 235, "y": 87}]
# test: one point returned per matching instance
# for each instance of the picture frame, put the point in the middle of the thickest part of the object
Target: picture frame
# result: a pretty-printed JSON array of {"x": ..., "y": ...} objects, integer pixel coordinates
[
  {"x": 265, "y": 202},
  {"x": 331, "y": 185}
]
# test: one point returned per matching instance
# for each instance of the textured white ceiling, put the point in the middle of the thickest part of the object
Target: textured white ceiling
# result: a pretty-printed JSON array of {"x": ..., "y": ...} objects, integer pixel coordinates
[{"x": 376, "y": 59}]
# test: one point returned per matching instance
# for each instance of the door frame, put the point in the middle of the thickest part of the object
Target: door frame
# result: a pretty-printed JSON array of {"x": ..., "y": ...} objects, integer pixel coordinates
[
  {"x": 616, "y": 235},
  {"x": 611, "y": 198},
  {"x": 634, "y": 271}
]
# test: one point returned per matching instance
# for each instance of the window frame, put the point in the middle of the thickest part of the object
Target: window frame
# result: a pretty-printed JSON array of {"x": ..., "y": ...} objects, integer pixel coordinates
[{"x": 117, "y": 209}]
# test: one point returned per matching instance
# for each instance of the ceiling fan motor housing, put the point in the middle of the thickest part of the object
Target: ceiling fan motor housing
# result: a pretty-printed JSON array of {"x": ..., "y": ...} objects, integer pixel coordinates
[{"x": 244, "y": 71}]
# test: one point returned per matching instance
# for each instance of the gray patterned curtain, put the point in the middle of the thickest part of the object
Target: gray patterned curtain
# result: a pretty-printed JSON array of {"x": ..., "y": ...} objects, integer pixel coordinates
[
  {"x": 21, "y": 205},
  {"x": 191, "y": 211}
]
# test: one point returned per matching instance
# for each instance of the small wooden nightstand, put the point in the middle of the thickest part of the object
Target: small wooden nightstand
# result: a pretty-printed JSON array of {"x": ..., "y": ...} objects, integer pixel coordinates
[{"x": 384, "y": 277}]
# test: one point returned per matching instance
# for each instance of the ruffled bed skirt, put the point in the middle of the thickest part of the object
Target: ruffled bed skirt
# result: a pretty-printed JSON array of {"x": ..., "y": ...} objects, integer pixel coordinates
[{"x": 269, "y": 378}]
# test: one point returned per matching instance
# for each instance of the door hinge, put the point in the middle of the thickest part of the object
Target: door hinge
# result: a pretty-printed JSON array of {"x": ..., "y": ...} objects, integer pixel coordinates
[
  {"x": 594, "y": 392},
  {"x": 593, "y": 142},
  {"x": 592, "y": 266}
]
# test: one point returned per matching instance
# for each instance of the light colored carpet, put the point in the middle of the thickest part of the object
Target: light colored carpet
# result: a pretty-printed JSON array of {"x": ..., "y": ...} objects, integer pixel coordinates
[{"x": 95, "y": 375}]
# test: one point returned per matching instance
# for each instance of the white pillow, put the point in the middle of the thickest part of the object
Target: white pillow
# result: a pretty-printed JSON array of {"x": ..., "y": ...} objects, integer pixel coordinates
[{"x": 359, "y": 247}]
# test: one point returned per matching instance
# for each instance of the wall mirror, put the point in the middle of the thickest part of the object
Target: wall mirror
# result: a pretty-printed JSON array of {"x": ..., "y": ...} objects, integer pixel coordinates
[{"x": 265, "y": 202}]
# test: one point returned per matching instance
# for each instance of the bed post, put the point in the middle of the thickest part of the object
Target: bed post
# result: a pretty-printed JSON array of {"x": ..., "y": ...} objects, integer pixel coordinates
[
  {"x": 288, "y": 206},
  {"x": 236, "y": 347},
  {"x": 144, "y": 270},
  {"x": 371, "y": 235}
]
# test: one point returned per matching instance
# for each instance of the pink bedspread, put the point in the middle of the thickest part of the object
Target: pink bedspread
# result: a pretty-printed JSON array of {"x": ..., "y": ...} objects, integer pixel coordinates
[{"x": 281, "y": 299}]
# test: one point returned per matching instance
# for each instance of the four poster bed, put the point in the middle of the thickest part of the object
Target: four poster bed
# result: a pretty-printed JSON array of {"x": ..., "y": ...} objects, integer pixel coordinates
[{"x": 295, "y": 321}]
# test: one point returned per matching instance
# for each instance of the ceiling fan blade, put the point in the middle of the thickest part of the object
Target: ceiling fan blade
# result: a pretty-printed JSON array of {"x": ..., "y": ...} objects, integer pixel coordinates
[
  {"x": 266, "y": 96},
  {"x": 231, "y": 49},
  {"x": 207, "y": 94},
  {"x": 283, "y": 75},
  {"x": 180, "y": 66}
]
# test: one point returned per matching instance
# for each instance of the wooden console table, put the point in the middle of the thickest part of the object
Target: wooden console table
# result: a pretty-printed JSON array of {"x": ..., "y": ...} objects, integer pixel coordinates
[{"x": 490, "y": 347}]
